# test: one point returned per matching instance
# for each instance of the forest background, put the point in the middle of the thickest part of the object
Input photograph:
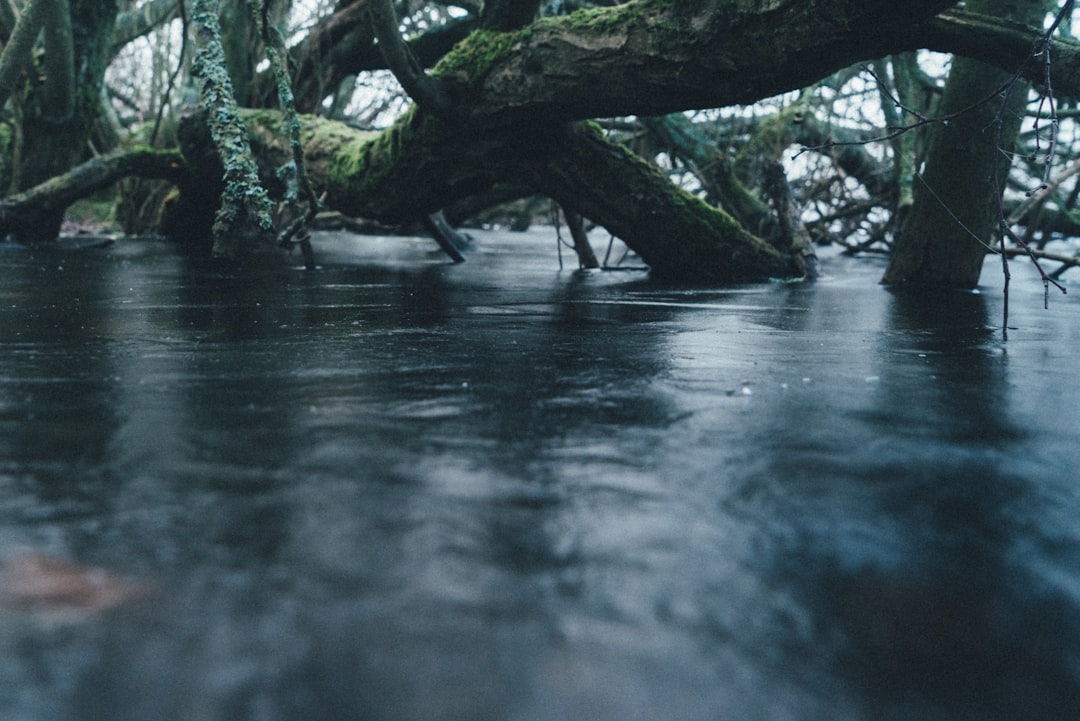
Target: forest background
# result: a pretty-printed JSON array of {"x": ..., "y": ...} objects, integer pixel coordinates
[{"x": 719, "y": 141}]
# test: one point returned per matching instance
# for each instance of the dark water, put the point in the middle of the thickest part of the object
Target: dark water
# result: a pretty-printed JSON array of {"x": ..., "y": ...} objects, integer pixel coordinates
[{"x": 398, "y": 489}]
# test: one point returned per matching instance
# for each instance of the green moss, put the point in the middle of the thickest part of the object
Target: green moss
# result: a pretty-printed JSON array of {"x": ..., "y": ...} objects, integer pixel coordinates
[
  {"x": 605, "y": 20},
  {"x": 350, "y": 167},
  {"x": 477, "y": 54}
]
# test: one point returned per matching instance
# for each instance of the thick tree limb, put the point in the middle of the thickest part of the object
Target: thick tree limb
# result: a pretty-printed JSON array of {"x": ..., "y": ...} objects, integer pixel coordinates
[
  {"x": 677, "y": 234},
  {"x": 652, "y": 57},
  {"x": 22, "y": 215},
  {"x": 426, "y": 91},
  {"x": 1004, "y": 45},
  {"x": 424, "y": 164}
]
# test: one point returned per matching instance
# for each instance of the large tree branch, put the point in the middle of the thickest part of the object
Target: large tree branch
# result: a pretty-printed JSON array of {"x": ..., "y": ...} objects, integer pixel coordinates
[
  {"x": 426, "y": 91},
  {"x": 676, "y": 233},
  {"x": 424, "y": 163},
  {"x": 21, "y": 214},
  {"x": 651, "y": 57},
  {"x": 1008, "y": 46}
]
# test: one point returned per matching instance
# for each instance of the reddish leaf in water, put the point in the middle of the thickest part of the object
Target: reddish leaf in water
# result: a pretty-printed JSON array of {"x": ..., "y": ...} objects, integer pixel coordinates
[{"x": 42, "y": 583}]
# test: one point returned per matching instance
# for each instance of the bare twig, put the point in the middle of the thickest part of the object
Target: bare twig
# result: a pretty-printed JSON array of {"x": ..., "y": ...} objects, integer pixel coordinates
[
  {"x": 1039, "y": 196},
  {"x": 921, "y": 120},
  {"x": 1041, "y": 49},
  {"x": 1066, "y": 261}
]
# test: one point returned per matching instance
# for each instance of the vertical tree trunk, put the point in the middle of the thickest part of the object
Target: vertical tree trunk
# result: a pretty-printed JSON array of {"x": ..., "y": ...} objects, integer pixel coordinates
[
  {"x": 52, "y": 143},
  {"x": 946, "y": 236}
]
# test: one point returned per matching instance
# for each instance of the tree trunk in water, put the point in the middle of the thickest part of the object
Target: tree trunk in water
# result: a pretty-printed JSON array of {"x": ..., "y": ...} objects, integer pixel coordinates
[{"x": 956, "y": 211}]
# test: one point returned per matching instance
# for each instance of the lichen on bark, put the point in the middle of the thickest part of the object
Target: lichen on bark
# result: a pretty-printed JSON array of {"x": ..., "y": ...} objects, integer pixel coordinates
[{"x": 245, "y": 205}]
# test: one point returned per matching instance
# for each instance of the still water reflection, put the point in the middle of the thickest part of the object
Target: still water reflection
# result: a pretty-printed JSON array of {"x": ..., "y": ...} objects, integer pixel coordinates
[{"x": 398, "y": 489}]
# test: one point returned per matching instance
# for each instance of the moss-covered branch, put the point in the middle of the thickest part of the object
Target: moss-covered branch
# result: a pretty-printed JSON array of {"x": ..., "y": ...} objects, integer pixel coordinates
[
  {"x": 651, "y": 57},
  {"x": 423, "y": 164},
  {"x": 676, "y": 233},
  {"x": 245, "y": 205},
  {"x": 23, "y": 216}
]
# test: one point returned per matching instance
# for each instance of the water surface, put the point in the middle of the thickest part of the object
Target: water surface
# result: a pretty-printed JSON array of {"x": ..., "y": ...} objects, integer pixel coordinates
[{"x": 400, "y": 489}]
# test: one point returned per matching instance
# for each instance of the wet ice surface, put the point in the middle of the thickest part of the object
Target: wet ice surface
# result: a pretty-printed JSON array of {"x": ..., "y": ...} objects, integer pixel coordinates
[{"x": 399, "y": 489}]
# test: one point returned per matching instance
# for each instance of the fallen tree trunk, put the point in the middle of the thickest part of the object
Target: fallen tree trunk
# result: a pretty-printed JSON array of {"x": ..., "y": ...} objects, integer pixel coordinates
[{"x": 424, "y": 164}]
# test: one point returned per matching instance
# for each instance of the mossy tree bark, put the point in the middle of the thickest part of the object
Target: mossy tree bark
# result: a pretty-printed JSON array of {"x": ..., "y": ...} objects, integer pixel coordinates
[
  {"x": 956, "y": 211},
  {"x": 676, "y": 233},
  {"x": 245, "y": 209},
  {"x": 424, "y": 164},
  {"x": 52, "y": 142},
  {"x": 651, "y": 57},
  {"x": 38, "y": 206}
]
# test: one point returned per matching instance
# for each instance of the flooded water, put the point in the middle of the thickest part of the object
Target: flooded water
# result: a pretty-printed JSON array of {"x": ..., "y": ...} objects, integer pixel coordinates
[{"x": 395, "y": 488}]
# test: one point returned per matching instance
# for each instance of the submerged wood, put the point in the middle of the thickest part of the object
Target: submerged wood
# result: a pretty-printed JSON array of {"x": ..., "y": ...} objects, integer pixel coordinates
[{"x": 448, "y": 239}]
